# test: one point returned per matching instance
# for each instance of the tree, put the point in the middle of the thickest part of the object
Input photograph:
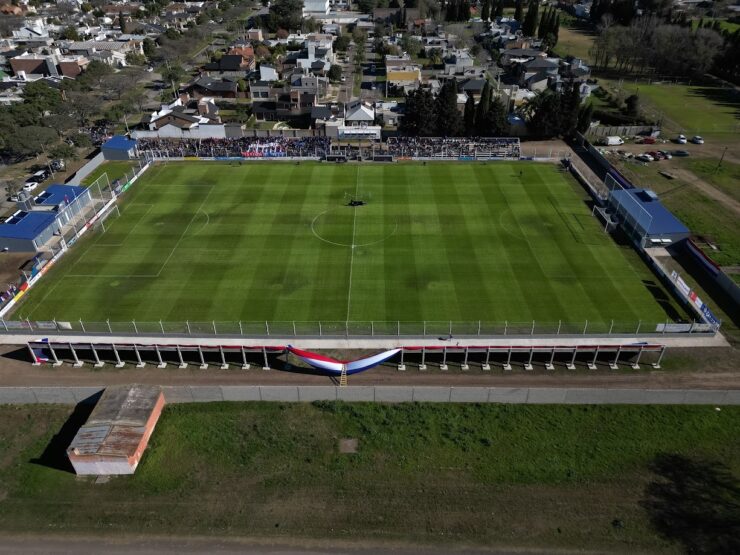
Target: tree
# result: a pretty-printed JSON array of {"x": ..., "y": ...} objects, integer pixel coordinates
[
  {"x": 173, "y": 74},
  {"x": 172, "y": 33},
  {"x": 410, "y": 44},
  {"x": 59, "y": 123},
  {"x": 469, "y": 116},
  {"x": 286, "y": 14},
  {"x": 585, "y": 114},
  {"x": 41, "y": 97},
  {"x": 149, "y": 47},
  {"x": 419, "y": 117},
  {"x": 95, "y": 72},
  {"x": 496, "y": 123},
  {"x": 484, "y": 104},
  {"x": 529, "y": 27},
  {"x": 449, "y": 121},
  {"x": 63, "y": 151},
  {"x": 486, "y": 10},
  {"x": 335, "y": 73},
  {"x": 135, "y": 59},
  {"x": 121, "y": 21},
  {"x": 342, "y": 43},
  {"x": 31, "y": 140},
  {"x": 518, "y": 11},
  {"x": 632, "y": 105},
  {"x": 499, "y": 8},
  {"x": 83, "y": 106},
  {"x": 70, "y": 33}
]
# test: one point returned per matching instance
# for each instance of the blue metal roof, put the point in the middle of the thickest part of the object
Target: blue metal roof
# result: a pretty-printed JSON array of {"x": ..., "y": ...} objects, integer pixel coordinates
[
  {"x": 57, "y": 194},
  {"x": 119, "y": 142},
  {"x": 26, "y": 225},
  {"x": 663, "y": 221}
]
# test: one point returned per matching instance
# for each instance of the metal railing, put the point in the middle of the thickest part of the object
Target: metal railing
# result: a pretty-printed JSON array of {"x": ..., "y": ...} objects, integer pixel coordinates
[{"x": 296, "y": 328}]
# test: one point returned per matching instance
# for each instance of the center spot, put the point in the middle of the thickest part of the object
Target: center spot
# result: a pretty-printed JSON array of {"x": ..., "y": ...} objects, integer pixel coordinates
[{"x": 338, "y": 226}]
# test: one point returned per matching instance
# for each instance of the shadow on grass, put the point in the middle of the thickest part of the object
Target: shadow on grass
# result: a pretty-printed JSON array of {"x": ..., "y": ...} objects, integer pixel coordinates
[
  {"x": 55, "y": 454},
  {"x": 728, "y": 98},
  {"x": 695, "y": 503}
]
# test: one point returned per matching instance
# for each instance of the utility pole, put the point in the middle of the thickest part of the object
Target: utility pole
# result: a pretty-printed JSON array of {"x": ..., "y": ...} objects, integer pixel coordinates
[{"x": 720, "y": 160}]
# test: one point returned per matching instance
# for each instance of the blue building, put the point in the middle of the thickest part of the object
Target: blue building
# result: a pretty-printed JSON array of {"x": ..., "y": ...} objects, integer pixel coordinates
[
  {"x": 645, "y": 219},
  {"x": 38, "y": 219},
  {"x": 27, "y": 231},
  {"x": 119, "y": 148}
]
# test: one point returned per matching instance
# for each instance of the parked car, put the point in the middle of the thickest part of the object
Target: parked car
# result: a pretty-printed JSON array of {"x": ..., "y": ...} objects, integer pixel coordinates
[
  {"x": 697, "y": 140},
  {"x": 681, "y": 139},
  {"x": 680, "y": 153},
  {"x": 58, "y": 165},
  {"x": 644, "y": 158},
  {"x": 39, "y": 176},
  {"x": 655, "y": 155},
  {"x": 666, "y": 154},
  {"x": 29, "y": 186}
]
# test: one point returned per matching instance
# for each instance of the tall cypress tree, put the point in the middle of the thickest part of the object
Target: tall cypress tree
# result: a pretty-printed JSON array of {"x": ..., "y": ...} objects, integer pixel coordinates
[
  {"x": 519, "y": 11},
  {"x": 486, "y": 11},
  {"x": 545, "y": 22},
  {"x": 499, "y": 8},
  {"x": 449, "y": 121},
  {"x": 484, "y": 104},
  {"x": 496, "y": 122},
  {"x": 529, "y": 27},
  {"x": 469, "y": 116}
]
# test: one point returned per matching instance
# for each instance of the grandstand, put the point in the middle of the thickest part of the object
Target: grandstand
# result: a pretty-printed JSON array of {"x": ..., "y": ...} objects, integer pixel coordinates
[
  {"x": 322, "y": 148},
  {"x": 443, "y": 148}
]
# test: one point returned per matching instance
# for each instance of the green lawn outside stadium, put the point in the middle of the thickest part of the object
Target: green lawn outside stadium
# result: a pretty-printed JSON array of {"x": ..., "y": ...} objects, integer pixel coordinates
[
  {"x": 497, "y": 242},
  {"x": 587, "y": 478}
]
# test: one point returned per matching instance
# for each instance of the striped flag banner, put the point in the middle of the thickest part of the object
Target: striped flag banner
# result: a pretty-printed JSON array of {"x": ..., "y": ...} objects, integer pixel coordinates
[{"x": 335, "y": 366}]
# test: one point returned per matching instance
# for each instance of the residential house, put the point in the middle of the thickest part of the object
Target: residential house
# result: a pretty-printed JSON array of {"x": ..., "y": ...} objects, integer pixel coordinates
[
  {"x": 402, "y": 75},
  {"x": 268, "y": 73},
  {"x": 110, "y": 52},
  {"x": 34, "y": 30},
  {"x": 315, "y": 7},
  {"x": 457, "y": 62},
  {"x": 48, "y": 65},
  {"x": 184, "y": 114},
  {"x": 519, "y": 55},
  {"x": 204, "y": 86},
  {"x": 255, "y": 35}
]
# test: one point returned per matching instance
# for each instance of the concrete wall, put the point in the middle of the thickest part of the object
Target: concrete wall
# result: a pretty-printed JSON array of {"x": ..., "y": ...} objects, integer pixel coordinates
[
  {"x": 87, "y": 169},
  {"x": 391, "y": 394}
]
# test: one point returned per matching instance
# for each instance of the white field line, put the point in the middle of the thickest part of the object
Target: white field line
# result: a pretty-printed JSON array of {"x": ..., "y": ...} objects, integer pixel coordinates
[
  {"x": 120, "y": 244},
  {"x": 182, "y": 236},
  {"x": 352, "y": 248}
]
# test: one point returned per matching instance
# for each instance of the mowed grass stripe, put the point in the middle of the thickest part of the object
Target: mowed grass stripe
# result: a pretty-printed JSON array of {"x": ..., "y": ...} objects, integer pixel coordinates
[
  {"x": 502, "y": 270},
  {"x": 510, "y": 241},
  {"x": 557, "y": 251}
]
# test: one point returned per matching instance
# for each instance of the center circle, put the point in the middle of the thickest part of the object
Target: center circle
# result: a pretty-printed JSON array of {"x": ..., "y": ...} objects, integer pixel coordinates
[{"x": 342, "y": 227}]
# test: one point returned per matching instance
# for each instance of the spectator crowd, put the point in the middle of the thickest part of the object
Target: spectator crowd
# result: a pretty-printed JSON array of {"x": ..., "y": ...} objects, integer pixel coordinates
[
  {"x": 320, "y": 147},
  {"x": 457, "y": 147},
  {"x": 243, "y": 147}
]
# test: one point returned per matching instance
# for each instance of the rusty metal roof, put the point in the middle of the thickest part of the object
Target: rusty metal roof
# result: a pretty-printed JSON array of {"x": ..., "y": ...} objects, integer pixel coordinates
[
  {"x": 118, "y": 423},
  {"x": 125, "y": 404}
]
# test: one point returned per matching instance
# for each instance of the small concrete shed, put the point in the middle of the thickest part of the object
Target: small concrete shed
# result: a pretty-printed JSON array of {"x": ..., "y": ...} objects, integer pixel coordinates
[{"x": 115, "y": 435}]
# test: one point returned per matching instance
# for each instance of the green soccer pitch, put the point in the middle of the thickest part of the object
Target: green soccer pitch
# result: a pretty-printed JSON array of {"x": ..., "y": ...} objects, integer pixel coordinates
[{"x": 496, "y": 242}]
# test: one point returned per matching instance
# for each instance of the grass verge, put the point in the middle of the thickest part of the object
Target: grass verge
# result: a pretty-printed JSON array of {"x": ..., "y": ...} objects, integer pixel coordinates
[{"x": 581, "y": 477}]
